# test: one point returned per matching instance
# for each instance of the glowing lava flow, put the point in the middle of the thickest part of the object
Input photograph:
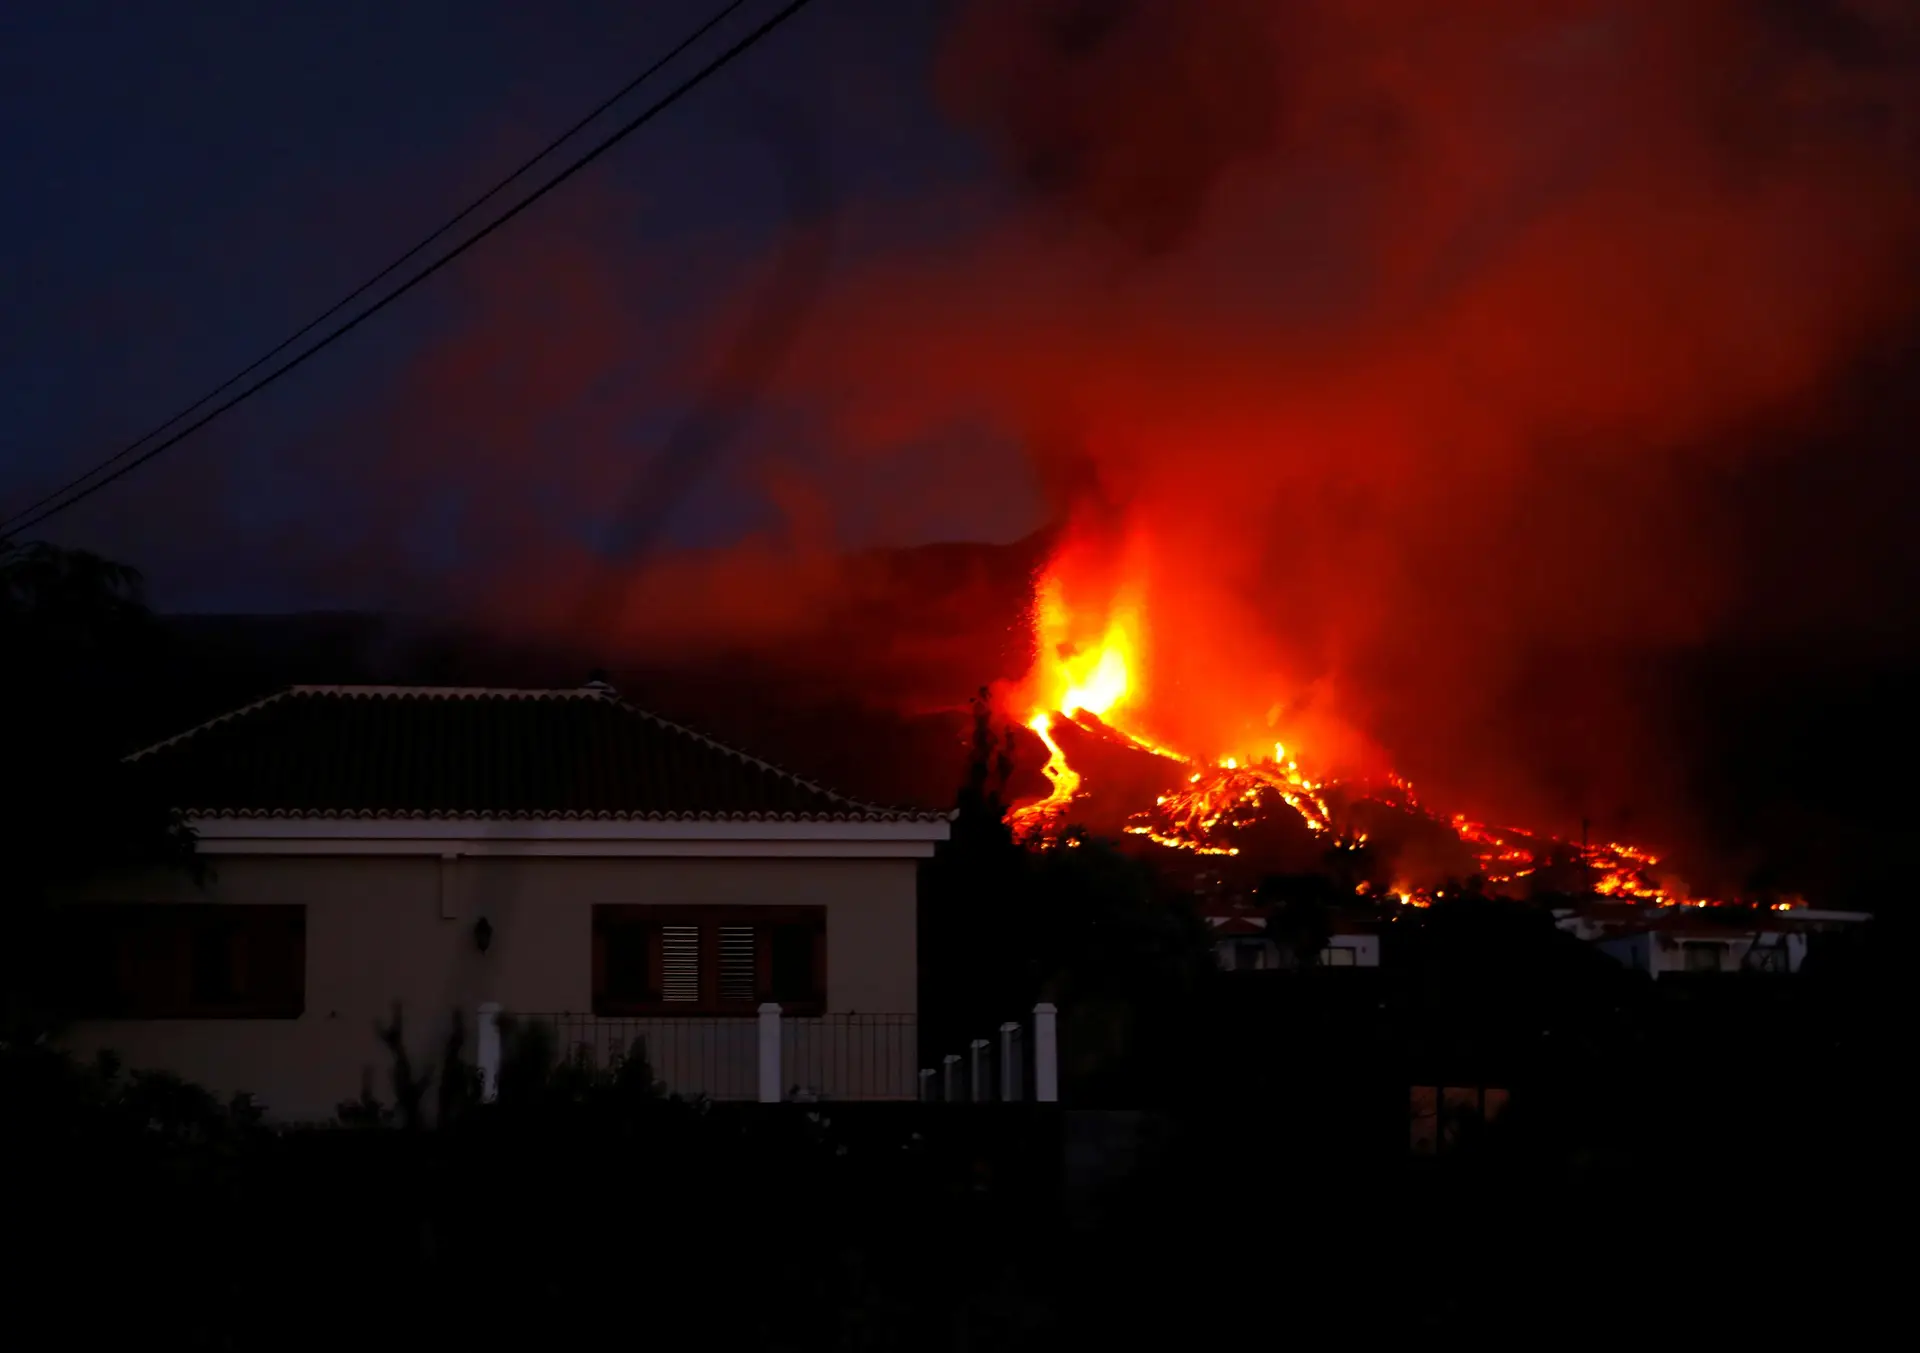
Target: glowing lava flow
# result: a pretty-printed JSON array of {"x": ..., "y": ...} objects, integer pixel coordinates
[
  {"x": 1094, "y": 670},
  {"x": 1064, "y": 779},
  {"x": 1094, "y": 679},
  {"x": 1187, "y": 817}
]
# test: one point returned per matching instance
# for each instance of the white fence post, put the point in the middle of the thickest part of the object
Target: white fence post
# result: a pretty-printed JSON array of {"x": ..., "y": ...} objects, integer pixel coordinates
[
  {"x": 1046, "y": 1054},
  {"x": 979, "y": 1083},
  {"x": 950, "y": 1078},
  {"x": 927, "y": 1075},
  {"x": 1011, "y": 1087},
  {"x": 487, "y": 1050},
  {"x": 770, "y": 1053}
]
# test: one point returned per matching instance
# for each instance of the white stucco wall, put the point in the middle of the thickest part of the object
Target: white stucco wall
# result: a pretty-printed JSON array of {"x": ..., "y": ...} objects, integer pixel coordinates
[{"x": 382, "y": 929}]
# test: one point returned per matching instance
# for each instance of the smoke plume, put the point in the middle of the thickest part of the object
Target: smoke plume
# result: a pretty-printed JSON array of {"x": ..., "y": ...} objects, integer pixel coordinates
[
  {"x": 1432, "y": 376},
  {"x": 1409, "y": 360}
]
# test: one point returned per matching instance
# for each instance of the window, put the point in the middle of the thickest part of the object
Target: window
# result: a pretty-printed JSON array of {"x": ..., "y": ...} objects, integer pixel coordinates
[
  {"x": 1336, "y": 956},
  {"x": 708, "y": 960},
  {"x": 1438, "y": 1115},
  {"x": 196, "y": 961},
  {"x": 1423, "y": 1119},
  {"x": 1702, "y": 957}
]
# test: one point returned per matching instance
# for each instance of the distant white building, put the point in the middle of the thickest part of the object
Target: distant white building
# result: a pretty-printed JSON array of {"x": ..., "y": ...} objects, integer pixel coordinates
[
  {"x": 1242, "y": 942},
  {"x": 1663, "y": 940}
]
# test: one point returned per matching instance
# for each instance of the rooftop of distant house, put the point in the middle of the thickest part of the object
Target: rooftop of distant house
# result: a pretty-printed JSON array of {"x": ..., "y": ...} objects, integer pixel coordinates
[{"x": 1685, "y": 922}]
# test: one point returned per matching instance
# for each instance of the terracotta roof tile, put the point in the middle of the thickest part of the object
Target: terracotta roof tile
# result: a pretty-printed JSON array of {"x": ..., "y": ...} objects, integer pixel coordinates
[{"x": 425, "y": 751}]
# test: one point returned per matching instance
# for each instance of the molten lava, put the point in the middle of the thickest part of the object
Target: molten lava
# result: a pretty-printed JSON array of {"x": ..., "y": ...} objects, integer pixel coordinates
[
  {"x": 1064, "y": 778},
  {"x": 1076, "y": 677},
  {"x": 1088, "y": 677}
]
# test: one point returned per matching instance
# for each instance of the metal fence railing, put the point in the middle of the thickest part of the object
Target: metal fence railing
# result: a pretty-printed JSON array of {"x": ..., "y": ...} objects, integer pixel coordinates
[
  {"x": 693, "y": 1056},
  {"x": 769, "y": 1057},
  {"x": 850, "y": 1057},
  {"x": 828, "y": 1057}
]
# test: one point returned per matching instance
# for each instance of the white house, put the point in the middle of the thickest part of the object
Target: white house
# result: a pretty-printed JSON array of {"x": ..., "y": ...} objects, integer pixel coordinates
[
  {"x": 1664, "y": 940},
  {"x": 554, "y": 853},
  {"x": 1242, "y": 942}
]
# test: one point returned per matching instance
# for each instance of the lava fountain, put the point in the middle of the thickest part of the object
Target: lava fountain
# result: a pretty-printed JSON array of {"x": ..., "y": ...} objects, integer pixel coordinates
[{"x": 1090, "y": 671}]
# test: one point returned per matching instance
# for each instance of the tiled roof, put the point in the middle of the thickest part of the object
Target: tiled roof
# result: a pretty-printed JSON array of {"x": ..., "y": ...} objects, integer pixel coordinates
[{"x": 456, "y": 752}]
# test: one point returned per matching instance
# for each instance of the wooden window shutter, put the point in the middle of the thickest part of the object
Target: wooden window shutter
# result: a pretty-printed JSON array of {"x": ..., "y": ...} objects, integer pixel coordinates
[
  {"x": 739, "y": 966},
  {"x": 162, "y": 963},
  {"x": 147, "y": 958},
  {"x": 680, "y": 953},
  {"x": 796, "y": 967},
  {"x": 189, "y": 960},
  {"x": 656, "y": 964},
  {"x": 707, "y": 960},
  {"x": 600, "y": 990},
  {"x": 273, "y": 961}
]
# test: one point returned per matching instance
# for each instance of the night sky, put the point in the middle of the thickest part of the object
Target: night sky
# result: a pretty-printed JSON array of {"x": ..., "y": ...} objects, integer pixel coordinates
[{"x": 189, "y": 184}]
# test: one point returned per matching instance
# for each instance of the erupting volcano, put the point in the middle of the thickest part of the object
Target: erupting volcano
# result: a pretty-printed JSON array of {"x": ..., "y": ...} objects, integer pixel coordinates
[{"x": 1086, "y": 698}]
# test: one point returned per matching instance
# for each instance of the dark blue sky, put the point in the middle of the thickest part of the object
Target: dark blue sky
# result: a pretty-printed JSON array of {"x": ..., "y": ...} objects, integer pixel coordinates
[{"x": 189, "y": 183}]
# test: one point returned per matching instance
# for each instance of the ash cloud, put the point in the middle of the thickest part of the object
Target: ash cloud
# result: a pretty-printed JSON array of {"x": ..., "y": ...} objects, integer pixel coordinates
[{"x": 1431, "y": 361}]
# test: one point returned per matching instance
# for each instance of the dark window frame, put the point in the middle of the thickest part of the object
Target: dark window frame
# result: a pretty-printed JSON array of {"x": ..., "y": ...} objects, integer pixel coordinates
[
  {"x": 637, "y": 923},
  {"x": 149, "y": 960},
  {"x": 1694, "y": 955}
]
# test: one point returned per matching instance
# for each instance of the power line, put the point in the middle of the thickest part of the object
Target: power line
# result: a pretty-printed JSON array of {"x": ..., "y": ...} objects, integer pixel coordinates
[
  {"x": 718, "y": 18},
  {"x": 10, "y": 527},
  {"x": 106, "y": 473}
]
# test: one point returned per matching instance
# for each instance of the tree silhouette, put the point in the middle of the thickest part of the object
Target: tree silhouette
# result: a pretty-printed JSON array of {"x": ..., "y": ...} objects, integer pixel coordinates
[
  {"x": 75, "y": 630},
  {"x": 1074, "y": 921},
  {"x": 1301, "y": 916},
  {"x": 1351, "y": 863}
]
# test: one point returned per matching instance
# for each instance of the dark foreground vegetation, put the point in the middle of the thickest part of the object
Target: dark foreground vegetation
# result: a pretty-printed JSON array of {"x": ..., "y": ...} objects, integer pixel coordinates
[{"x": 1719, "y": 1173}]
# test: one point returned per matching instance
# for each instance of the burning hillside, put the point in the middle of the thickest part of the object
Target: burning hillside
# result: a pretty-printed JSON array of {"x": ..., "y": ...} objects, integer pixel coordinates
[{"x": 1088, "y": 701}]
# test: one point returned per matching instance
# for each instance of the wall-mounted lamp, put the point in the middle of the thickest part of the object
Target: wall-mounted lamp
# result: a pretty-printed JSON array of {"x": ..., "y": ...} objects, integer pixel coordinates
[{"x": 483, "y": 933}]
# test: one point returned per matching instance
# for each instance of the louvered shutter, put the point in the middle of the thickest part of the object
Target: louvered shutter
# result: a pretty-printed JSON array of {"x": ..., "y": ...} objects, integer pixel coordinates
[
  {"x": 738, "y": 964},
  {"x": 719, "y": 960},
  {"x": 680, "y": 964}
]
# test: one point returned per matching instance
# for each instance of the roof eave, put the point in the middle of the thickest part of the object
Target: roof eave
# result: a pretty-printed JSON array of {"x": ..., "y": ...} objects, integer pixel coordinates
[{"x": 236, "y": 825}]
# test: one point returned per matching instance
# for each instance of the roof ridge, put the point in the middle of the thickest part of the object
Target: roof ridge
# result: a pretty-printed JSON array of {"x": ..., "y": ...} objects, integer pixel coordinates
[
  {"x": 346, "y": 688},
  {"x": 214, "y": 722},
  {"x": 446, "y": 692},
  {"x": 831, "y": 795},
  {"x": 845, "y": 803},
  {"x": 558, "y": 815}
]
